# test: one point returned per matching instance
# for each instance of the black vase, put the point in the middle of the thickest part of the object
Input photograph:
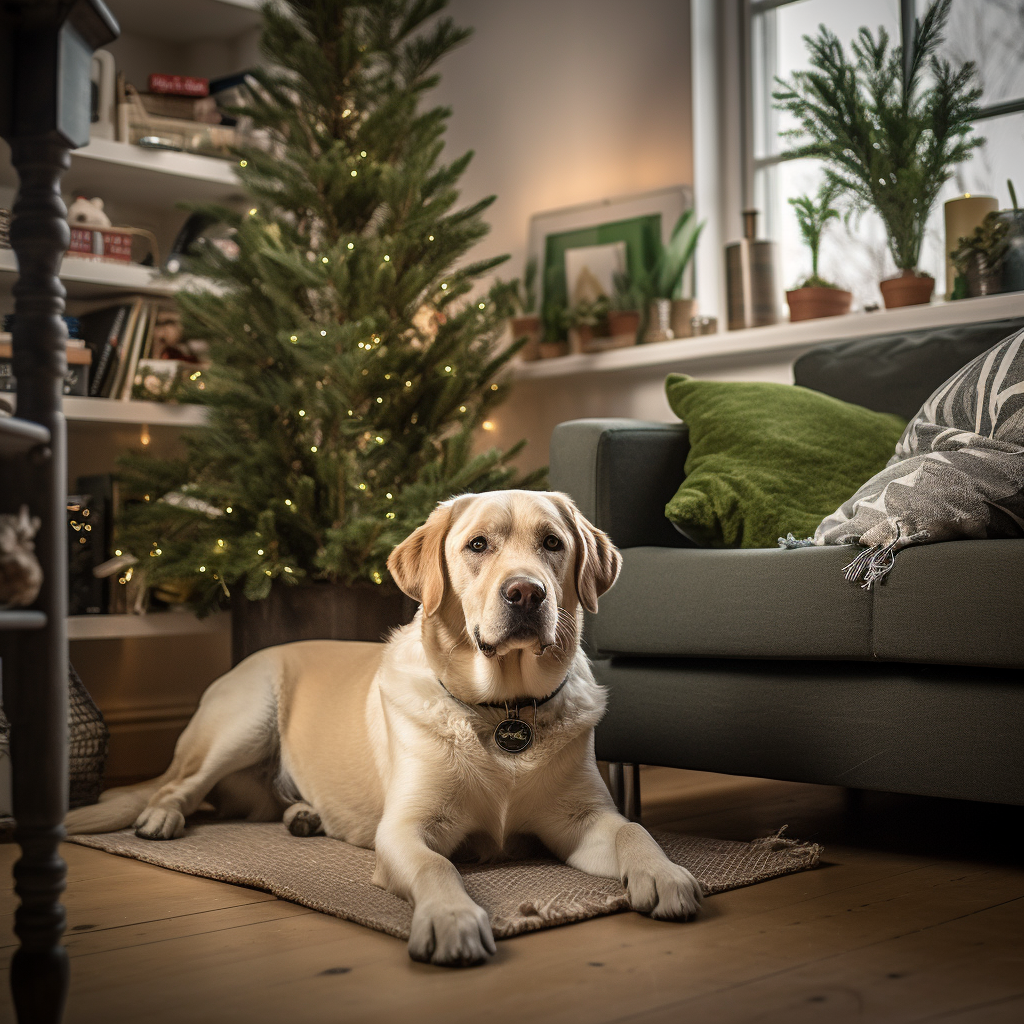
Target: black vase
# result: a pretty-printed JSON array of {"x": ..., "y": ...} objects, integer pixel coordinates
[{"x": 316, "y": 611}]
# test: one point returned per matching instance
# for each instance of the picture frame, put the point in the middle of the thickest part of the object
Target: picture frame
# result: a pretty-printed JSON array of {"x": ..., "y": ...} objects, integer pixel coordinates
[{"x": 636, "y": 220}]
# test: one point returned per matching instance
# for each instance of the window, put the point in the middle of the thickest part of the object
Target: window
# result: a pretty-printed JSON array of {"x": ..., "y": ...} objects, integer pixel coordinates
[{"x": 989, "y": 32}]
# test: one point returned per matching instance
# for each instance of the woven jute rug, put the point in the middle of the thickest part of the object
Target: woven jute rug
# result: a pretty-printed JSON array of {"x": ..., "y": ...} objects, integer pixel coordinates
[{"x": 334, "y": 877}]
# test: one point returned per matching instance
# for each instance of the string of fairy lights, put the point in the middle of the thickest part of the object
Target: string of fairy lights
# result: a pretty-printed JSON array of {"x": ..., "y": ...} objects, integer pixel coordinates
[{"x": 372, "y": 344}]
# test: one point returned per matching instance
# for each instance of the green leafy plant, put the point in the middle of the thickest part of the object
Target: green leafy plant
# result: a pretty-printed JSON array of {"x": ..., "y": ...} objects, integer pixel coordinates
[
  {"x": 519, "y": 296},
  {"x": 889, "y": 142},
  {"x": 588, "y": 314},
  {"x": 349, "y": 365},
  {"x": 812, "y": 215},
  {"x": 664, "y": 278},
  {"x": 987, "y": 244},
  {"x": 628, "y": 295}
]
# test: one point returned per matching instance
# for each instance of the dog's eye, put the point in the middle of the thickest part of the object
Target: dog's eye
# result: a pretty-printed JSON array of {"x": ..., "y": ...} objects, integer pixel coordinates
[
  {"x": 552, "y": 543},
  {"x": 477, "y": 544}
]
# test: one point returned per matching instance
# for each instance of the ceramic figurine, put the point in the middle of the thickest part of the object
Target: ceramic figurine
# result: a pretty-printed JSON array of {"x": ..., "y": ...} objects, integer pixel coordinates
[{"x": 20, "y": 573}]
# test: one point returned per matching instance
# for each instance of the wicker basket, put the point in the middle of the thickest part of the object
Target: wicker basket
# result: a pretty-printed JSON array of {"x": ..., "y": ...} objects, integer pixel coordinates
[{"x": 87, "y": 743}]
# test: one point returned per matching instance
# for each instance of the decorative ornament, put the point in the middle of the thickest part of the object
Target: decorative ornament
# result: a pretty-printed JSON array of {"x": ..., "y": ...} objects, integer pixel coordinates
[
  {"x": 426, "y": 322},
  {"x": 21, "y": 576}
]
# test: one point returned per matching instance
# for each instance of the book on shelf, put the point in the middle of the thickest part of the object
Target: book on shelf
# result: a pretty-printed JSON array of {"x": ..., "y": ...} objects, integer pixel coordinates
[
  {"x": 76, "y": 380},
  {"x": 119, "y": 336}
]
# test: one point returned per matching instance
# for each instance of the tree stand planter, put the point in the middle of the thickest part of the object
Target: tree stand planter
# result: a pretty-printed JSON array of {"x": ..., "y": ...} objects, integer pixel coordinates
[{"x": 316, "y": 611}]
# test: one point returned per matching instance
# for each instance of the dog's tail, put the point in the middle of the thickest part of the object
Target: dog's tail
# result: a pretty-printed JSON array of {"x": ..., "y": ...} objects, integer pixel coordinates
[{"x": 117, "y": 809}]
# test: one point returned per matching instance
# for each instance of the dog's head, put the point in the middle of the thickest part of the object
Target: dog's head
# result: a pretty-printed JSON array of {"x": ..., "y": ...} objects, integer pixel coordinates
[{"x": 514, "y": 566}]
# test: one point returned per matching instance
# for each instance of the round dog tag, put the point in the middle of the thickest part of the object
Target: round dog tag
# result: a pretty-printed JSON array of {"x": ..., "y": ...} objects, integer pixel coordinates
[{"x": 513, "y": 735}]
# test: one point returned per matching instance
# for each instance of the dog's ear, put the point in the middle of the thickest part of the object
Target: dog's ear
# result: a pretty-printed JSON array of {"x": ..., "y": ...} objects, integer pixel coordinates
[
  {"x": 417, "y": 564},
  {"x": 597, "y": 559}
]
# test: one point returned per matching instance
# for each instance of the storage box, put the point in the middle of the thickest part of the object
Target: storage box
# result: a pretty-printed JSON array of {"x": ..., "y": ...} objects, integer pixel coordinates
[{"x": 101, "y": 243}]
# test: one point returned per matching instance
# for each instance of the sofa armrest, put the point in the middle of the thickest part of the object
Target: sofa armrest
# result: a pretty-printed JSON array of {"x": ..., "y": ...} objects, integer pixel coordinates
[{"x": 621, "y": 473}]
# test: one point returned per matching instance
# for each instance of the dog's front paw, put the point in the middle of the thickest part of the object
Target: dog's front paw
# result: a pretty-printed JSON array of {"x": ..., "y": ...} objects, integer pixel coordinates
[
  {"x": 667, "y": 892},
  {"x": 160, "y": 823},
  {"x": 451, "y": 936}
]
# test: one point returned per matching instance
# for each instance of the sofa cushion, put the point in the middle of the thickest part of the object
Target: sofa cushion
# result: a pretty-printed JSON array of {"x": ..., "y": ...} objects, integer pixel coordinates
[
  {"x": 769, "y": 459},
  {"x": 958, "y": 470},
  {"x": 897, "y": 372},
  {"x": 953, "y": 604},
  {"x": 756, "y": 603}
]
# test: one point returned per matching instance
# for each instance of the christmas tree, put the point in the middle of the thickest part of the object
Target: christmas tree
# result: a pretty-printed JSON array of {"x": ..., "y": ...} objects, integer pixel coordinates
[{"x": 348, "y": 364}]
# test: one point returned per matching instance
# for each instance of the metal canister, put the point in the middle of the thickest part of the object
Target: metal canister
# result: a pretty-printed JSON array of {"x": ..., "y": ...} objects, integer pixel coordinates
[{"x": 751, "y": 278}]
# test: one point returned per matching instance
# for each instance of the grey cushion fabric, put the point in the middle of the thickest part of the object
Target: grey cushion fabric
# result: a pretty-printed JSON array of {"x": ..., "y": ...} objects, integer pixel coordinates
[
  {"x": 740, "y": 603},
  {"x": 958, "y": 470},
  {"x": 961, "y": 604},
  {"x": 621, "y": 474},
  {"x": 926, "y": 729},
  {"x": 897, "y": 372}
]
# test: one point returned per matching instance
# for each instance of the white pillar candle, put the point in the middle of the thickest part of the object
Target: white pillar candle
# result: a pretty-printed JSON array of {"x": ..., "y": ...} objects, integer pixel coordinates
[{"x": 963, "y": 215}]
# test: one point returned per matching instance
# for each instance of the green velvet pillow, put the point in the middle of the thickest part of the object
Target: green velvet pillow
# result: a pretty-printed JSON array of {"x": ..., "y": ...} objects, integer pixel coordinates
[{"x": 770, "y": 459}]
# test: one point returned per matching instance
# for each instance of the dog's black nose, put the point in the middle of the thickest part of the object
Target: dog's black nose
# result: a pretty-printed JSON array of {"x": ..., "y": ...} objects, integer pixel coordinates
[{"x": 523, "y": 592}]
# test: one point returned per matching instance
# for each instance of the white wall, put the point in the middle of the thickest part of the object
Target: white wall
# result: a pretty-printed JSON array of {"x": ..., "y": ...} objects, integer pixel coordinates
[{"x": 565, "y": 102}]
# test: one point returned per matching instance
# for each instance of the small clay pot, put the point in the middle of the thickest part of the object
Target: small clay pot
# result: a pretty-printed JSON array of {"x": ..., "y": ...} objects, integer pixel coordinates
[
  {"x": 622, "y": 322},
  {"x": 528, "y": 327},
  {"x": 909, "y": 289},
  {"x": 579, "y": 338},
  {"x": 814, "y": 303}
]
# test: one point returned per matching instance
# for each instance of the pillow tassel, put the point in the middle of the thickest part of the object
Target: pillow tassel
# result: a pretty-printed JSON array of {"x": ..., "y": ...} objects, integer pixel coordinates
[{"x": 874, "y": 563}]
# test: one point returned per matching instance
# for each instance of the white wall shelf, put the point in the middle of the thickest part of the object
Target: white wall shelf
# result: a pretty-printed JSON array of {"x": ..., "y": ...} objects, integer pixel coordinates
[
  {"x": 186, "y": 21},
  {"x": 122, "y": 627},
  {"x": 90, "y": 279},
  {"x": 153, "y": 414},
  {"x": 146, "y": 177},
  {"x": 803, "y": 335}
]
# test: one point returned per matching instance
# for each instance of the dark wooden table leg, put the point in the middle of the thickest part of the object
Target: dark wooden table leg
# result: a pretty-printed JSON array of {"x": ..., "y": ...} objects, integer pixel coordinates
[
  {"x": 37, "y": 695},
  {"x": 46, "y": 50}
]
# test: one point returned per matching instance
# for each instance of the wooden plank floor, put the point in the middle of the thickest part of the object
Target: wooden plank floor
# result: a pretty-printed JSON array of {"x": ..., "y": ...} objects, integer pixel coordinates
[{"x": 917, "y": 914}]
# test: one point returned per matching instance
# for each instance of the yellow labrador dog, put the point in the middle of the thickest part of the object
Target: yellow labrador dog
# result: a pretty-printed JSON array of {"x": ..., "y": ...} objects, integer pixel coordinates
[{"x": 471, "y": 728}]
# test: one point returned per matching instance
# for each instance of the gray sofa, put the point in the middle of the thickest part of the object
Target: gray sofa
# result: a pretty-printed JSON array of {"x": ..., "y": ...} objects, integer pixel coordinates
[{"x": 768, "y": 662}]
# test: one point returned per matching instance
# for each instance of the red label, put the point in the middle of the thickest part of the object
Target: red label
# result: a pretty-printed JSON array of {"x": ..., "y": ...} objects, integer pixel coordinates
[
  {"x": 101, "y": 243},
  {"x": 179, "y": 85}
]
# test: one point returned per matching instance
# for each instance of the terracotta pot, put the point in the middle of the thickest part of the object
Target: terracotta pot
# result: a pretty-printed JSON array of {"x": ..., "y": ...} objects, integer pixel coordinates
[
  {"x": 623, "y": 321},
  {"x": 909, "y": 289},
  {"x": 316, "y": 611},
  {"x": 527, "y": 327},
  {"x": 681, "y": 317},
  {"x": 553, "y": 349},
  {"x": 814, "y": 303}
]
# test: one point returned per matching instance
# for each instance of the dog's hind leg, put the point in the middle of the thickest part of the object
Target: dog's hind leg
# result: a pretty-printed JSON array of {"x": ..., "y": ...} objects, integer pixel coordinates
[
  {"x": 234, "y": 728},
  {"x": 302, "y": 820}
]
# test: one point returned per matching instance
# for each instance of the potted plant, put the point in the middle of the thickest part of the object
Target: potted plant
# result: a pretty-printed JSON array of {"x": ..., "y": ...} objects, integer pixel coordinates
[
  {"x": 1013, "y": 260},
  {"x": 668, "y": 314},
  {"x": 978, "y": 257},
  {"x": 624, "y": 306},
  {"x": 350, "y": 369},
  {"x": 584, "y": 322},
  {"x": 816, "y": 297},
  {"x": 889, "y": 142},
  {"x": 525, "y": 323}
]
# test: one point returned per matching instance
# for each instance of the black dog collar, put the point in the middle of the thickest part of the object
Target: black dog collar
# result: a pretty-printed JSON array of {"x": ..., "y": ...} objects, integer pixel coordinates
[{"x": 513, "y": 735}]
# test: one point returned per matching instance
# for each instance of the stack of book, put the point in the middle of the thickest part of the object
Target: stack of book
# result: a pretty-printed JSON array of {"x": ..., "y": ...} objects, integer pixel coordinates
[
  {"x": 118, "y": 336},
  {"x": 76, "y": 380}
]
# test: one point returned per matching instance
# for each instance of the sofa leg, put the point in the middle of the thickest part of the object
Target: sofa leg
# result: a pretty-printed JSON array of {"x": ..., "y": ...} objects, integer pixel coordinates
[{"x": 624, "y": 782}]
